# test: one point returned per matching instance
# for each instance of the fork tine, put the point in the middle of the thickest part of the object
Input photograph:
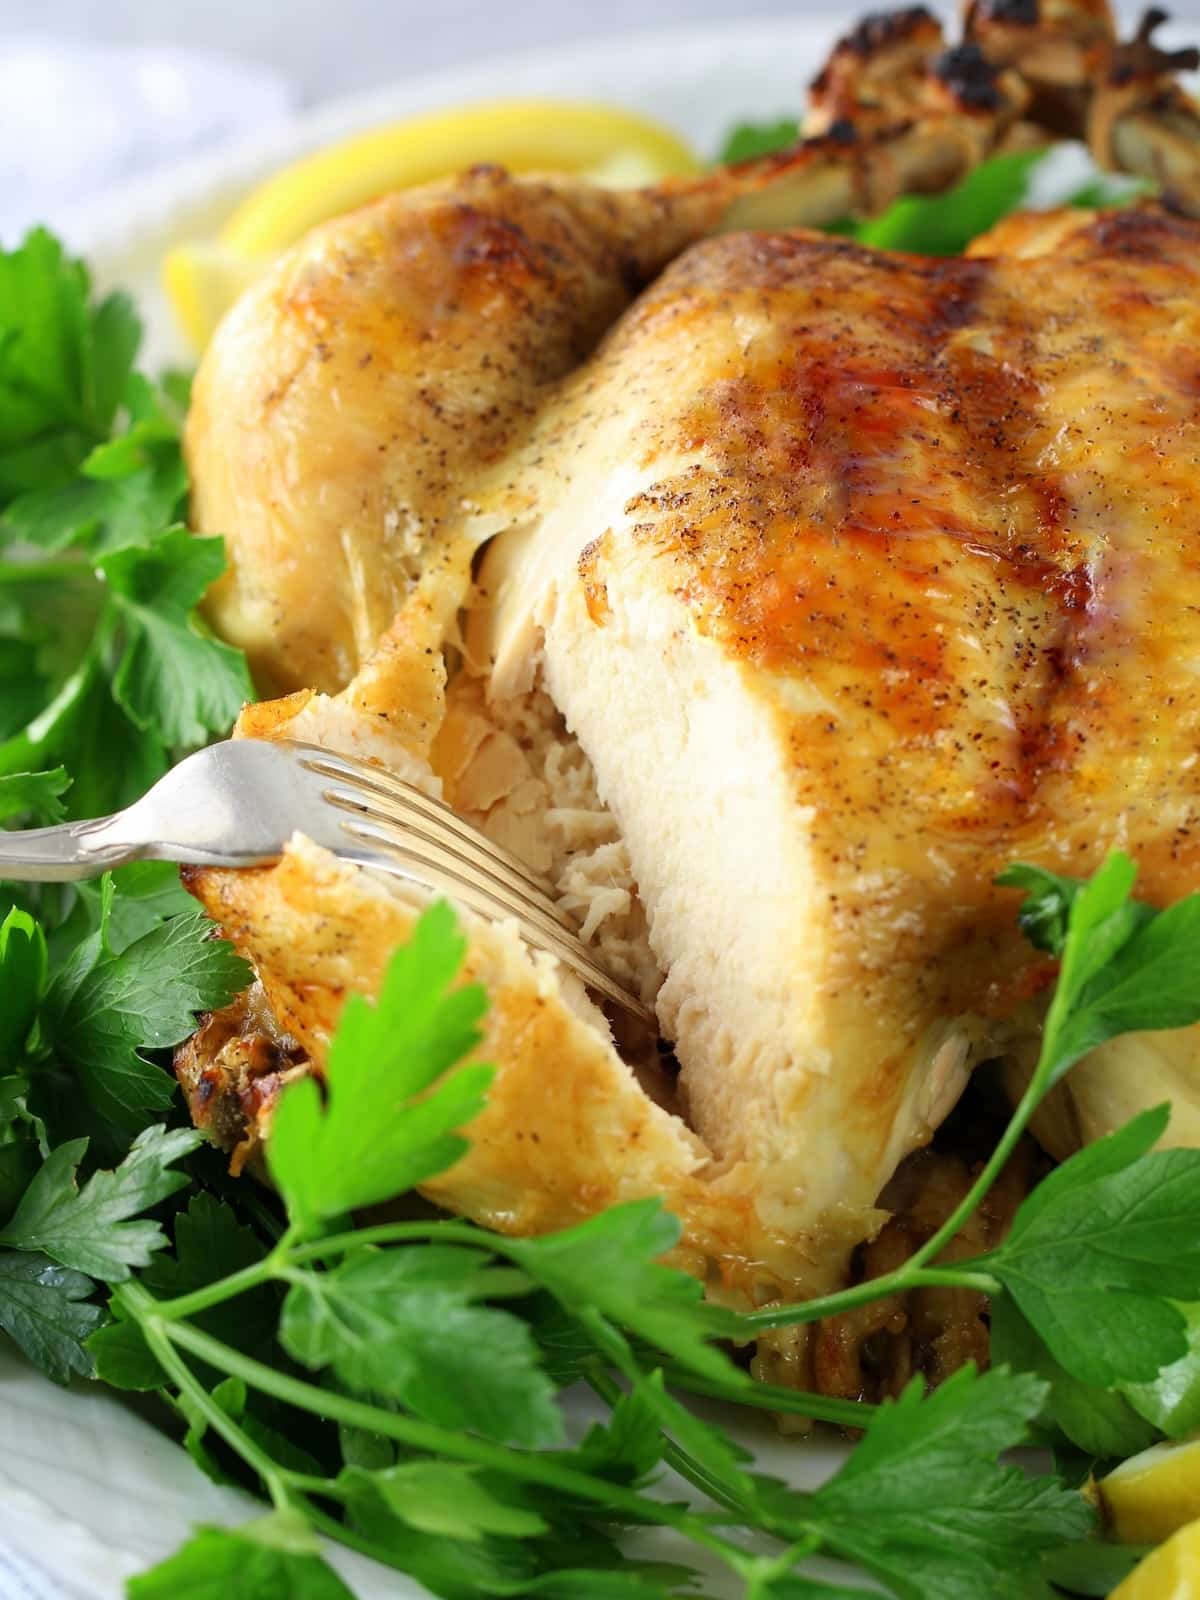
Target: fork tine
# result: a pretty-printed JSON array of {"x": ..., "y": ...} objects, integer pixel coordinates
[
  {"x": 416, "y": 802},
  {"x": 509, "y": 887},
  {"x": 432, "y": 845},
  {"x": 396, "y": 837},
  {"x": 446, "y": 877},
  {"x": 237, "y": 803},
  {"x": 477, "y": 848}
]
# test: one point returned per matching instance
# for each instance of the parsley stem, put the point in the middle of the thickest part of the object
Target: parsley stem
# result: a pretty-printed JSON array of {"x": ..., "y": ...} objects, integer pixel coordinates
[
  {"x": 38, "y": 739},
  {"x": 614, "y": 1344},
  {"x": 773, "y": 1397},
  {"x": 822, "y": 1408},
  {"x": 975, "y": 1195},
  {"x": 287, "y": 1254},
  {"x": 307, "y": 1484},
  {"x": 42, "y": 571},
  {"x": 767, "y": 1569},
  {"x": 411, "y": 1431},
  {"x": 914, "y": 1274},
  {"x": 214, "y": 1294},
  {"x": 909, "y": 1276},
  {"x": 353, "y": 1540},
  {"x": 405, "y": 1232},
  {"x": 23, "y": 750},
  {"x": 136, "y": 1300},
  {"x": 615, "y": 1347},
  {"x": 673, "y": 1454}
]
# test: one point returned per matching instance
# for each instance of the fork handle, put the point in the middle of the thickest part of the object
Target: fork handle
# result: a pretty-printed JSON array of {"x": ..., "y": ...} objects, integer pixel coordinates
[{"x": 62, "y": 854}]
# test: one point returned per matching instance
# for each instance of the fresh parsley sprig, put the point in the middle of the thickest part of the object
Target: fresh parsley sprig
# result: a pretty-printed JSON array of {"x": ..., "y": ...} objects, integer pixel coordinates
[
  {"x": 90, "y": 1229},
  {"x": 419, "y": 1339},
  {"x": 72, "y": 1040},
  {"x": 105, "y": 668},
  {"x": 1124, "y": 967},
  {"x": 105, "y": 672},
  {"x": 62, "y": 1236}
]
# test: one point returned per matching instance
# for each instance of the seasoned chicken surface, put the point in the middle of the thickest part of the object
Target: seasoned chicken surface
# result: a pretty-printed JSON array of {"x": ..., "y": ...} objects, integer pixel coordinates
[
  {"x": 342, "y": 419},
  {"x": 859, "y": 577},
  {"x": 338, "y": 422},
  {"x": 856, "y": 577}
]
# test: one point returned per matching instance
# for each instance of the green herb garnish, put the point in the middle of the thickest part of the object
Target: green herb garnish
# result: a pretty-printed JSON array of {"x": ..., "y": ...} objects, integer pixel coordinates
[
  {"x": 430, "y": 1331},
  {"x": 105, "y": 670}
]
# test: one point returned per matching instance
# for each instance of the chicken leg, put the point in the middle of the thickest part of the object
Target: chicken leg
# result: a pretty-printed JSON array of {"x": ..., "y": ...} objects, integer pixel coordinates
[{"x": 351, "y": 400}]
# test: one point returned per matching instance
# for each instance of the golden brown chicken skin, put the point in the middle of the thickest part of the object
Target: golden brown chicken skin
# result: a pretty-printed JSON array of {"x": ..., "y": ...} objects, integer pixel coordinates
[
  {"x": 957, "y": 500},
  {"x": 857, "y": 576},
  {"x": 351, "y": 395},
  {"x": 891, "y": 566},
  {"x": 351, "y": 399}
]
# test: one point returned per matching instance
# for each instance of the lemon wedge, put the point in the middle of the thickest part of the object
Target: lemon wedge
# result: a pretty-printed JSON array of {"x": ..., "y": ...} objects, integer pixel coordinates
[
  {"x": 603, "y": 143},
  {"x": 1172, "y": 1572},
  {"x": 202, "y": 281},
  {"x": 1154, "y": 1494},
  {"x": 596, "y": 141}
]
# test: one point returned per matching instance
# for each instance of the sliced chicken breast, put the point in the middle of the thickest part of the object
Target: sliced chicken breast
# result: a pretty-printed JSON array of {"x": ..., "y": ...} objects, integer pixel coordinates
[{"x": 858, "y": 577}]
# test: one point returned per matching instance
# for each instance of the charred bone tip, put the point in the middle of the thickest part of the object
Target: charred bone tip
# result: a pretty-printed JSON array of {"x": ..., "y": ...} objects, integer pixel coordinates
[
  {"x": 1141, "y": 58},
  {"x": 1016, "y": 13},
  {"x": 877, "y": 32},
  {"x": 968, "y": 73}
]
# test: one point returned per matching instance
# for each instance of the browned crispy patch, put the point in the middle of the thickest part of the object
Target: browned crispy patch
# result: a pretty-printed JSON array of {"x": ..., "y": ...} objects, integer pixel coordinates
[
  {"x": 875, "y": 73},
  {"x": 594, "y": 587},
  {"x": 968, "y": 74},
  {"x": 232, "y": 1069}
]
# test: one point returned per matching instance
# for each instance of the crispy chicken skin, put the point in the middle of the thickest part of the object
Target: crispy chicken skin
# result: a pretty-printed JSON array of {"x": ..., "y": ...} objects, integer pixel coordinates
[
  {"x": 422, "y": 333},
  {"x": 354, "y": 399},
  {"x": 889, "y": 582},
  {"x": 857, "y": 576},
  {"x": 342, "y": 418}
]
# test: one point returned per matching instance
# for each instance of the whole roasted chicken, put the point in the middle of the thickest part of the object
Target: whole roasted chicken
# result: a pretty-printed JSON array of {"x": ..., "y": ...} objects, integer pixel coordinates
[{"x": 768, "y": 593}]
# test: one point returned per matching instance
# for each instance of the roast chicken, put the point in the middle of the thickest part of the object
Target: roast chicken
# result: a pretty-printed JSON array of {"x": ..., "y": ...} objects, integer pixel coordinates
[{"x": 770, "y": 594}]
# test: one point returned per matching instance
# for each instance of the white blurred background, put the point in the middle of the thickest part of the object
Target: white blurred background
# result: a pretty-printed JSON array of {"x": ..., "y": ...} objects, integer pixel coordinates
[
  {"x": 325, "y": 47},
  {"x": 96, "y": 92}
]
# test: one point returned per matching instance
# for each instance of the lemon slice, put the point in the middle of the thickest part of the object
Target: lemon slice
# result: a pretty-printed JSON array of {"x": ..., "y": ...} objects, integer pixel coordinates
[
  {"x": 1172, "y": 1572},
  {"x": 596, "y": 141},
  {"x": 599, "y": 142},
  {"x": 1152, "y": 1495}
]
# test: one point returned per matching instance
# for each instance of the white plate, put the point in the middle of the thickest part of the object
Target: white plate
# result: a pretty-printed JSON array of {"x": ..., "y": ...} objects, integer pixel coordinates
[{"x": 89, "y": 1492}]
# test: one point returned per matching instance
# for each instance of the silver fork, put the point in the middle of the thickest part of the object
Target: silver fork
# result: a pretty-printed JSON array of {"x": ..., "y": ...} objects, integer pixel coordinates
[{"x": 236, "y": 804}]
